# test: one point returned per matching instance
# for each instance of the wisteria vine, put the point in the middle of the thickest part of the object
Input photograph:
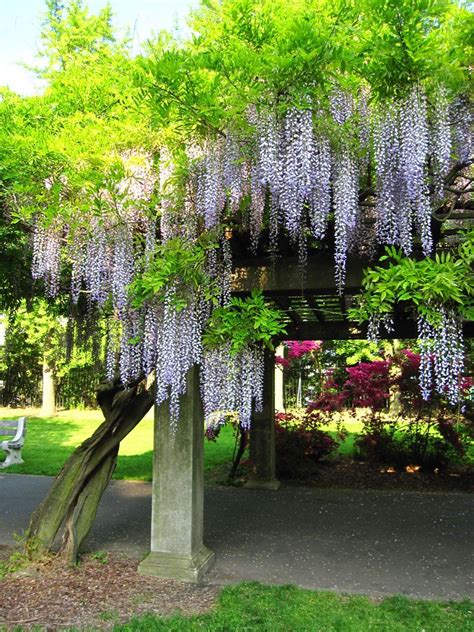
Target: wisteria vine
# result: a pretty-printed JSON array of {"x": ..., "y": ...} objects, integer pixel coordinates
[{"x": 295, "y": 171}]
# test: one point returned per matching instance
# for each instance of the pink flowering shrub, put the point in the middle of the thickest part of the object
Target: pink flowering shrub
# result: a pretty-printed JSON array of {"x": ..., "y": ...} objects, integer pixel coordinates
[
  {"x": 366, "y": 385},
  {"x": 409, "y": 431},
  {"x": 298, "y": 348},
  {"x": 300, "y": 443},
  {"x": 427, "y": 433}
]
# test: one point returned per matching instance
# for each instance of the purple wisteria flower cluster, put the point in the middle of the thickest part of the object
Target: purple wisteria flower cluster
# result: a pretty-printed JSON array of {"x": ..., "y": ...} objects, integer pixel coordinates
[
  {"x": 401, "y": 160},
  {"x": 311, "y": 164},
  {"x": 296, "y": 171},
  {"x": 441, "y": 356},
  {"x": 46, "y": 262},
  {"x": 232, "y": 383},
  {"x": 177, "y": 348}
]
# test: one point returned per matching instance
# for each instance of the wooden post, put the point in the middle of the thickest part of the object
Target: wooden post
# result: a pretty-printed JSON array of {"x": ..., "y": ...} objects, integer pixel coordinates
[
  {"x": 279, "y": 383},
  {"x": 177, "y": 548},
  {"x": 262, "y": 434}
]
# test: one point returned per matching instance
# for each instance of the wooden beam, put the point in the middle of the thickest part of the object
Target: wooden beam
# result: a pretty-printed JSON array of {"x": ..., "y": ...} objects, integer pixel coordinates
[
  {"x": 285, "y": 275},
  {"x": 284, "y": 304},
  {"x": 317, "y": 312},
  {"x": 343, "y": 330}
]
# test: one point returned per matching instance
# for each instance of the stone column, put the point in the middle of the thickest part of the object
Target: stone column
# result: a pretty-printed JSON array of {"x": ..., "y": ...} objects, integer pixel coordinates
[
  {"x": 177, "y": 549},
  {"x": 262, "y": 434}
]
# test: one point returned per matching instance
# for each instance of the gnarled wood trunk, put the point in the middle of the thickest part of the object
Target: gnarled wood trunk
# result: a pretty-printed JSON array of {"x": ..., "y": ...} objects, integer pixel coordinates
[{"x": 75, "y": 494}]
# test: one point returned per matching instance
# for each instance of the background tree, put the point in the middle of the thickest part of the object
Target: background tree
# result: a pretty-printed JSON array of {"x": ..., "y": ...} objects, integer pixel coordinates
[{"x": 69, "y": 139}]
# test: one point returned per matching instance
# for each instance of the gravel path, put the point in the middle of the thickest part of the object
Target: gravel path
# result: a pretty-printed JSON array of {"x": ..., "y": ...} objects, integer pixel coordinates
[{"x": 372, "y": 542}]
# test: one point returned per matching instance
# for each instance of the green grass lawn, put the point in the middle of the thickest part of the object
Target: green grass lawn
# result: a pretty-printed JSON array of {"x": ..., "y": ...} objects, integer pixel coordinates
[
  {"x": 50, "y": 441},
  {"x": 249, "y": 607}
]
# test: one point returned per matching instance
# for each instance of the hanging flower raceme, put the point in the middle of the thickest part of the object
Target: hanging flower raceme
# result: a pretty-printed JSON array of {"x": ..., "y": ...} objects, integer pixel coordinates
[
  {"x": 345, "y": 178},
  {"x": 210, "y": 189},
  {"x": 440, "y": 141},
  {"x": 341, "y": 105},
  {"x": 296, "y": 152},
  {"x": 394, "y": 224},
  {"x": 232, "y": 171},
  {"x": 232, "y": 383},
  {"x": 407, "y": 148},
  {"x": 46, "y": 256},
  {"x": 178, "y": 348},
  {"x": 346, "y": 206},
  {"x": 96, "y": 269},
  {"x": 413, "y": 162},
  {"x": 441, "y": 356},
  {"x": 425, "y": 337},
  {"x": 268, "y": 140},
  {"x": 257, "y": 207},
  {"x": 131, "y": 346},
  {"x": 320, "y": 194}
]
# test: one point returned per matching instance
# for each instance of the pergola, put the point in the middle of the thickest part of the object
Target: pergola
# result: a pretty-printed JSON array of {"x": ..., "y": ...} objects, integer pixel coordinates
[{"x": 314, "y": 311}]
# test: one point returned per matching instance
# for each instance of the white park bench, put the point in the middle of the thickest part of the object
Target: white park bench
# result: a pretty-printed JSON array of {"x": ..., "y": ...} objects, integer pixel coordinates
[{"x": 16, "y": 430}]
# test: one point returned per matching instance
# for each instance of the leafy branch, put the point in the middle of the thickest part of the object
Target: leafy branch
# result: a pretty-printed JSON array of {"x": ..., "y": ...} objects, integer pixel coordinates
[
  {"x": 180, "y": 265},
  {"x": 244, "y": 321},
  {"x": 443, "y": 280}
]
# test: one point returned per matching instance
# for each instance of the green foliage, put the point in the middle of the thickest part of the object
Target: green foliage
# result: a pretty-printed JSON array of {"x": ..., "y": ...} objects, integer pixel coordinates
[
  {"x": 21, "y": 555},
  {"x": 15, "y": 262},
  {"x": 100, "y": 556},
  {"x": 405, "y": 42},
  {"x": 349, "y": 352},
  {"x": 42, "y": 328},
  {"x": 244, "y": 321},
  {"x": 274, "y": 54},
  {"x": 446, "y": 279},
  {"x": 34, "y": 334},
  {"x": 75, "y": 133},
  {"x": 70, "y": 29},
  {"x": 37, "y": 332},
  {"x": 178, "y": 265}
]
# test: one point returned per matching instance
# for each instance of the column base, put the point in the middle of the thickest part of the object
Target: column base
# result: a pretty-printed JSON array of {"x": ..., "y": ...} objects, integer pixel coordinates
[
  {"x": 259, "y": 483},
  {"x": 184, "y": 568}
]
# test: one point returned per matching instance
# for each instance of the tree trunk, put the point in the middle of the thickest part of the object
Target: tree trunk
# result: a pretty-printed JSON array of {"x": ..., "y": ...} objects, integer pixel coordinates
[
  {"x": 243, "y": 440},
  {"x": 279, "y": 382},
  {"x": 48, "y": 406},
  {"x": 75, "y": 494},
  {"x": 394, "y": 402}
]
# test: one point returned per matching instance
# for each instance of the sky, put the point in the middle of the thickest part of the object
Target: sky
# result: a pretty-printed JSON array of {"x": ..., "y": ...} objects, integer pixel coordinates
[{"x": 20, "y": 26}]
